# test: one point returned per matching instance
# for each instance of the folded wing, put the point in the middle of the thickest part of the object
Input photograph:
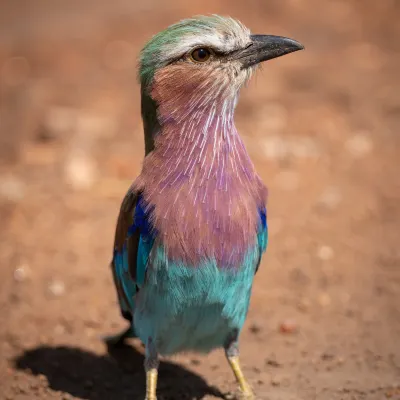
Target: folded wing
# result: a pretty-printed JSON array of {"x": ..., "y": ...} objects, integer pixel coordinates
[{"x": 132, "y": 247}]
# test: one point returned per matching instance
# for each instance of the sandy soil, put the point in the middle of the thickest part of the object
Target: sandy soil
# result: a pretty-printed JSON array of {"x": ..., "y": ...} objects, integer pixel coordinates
[{"x": 322, "y": 127}]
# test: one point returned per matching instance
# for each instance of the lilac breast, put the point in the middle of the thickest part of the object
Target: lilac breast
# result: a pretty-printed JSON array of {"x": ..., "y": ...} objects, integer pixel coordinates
[{"x": 203, "y": 191}]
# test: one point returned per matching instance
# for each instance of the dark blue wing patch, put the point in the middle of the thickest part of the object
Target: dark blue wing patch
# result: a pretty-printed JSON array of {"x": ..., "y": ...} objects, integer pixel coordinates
[{"x": 262, "y": 235}]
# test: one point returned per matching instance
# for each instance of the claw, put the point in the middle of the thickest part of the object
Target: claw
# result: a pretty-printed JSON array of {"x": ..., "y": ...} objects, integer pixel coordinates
[{"x": 247, "y": 396}]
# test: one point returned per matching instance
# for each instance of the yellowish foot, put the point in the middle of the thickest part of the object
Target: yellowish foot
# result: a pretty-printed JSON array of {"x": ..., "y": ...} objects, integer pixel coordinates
[
  {"x": 245, "y": 389},
  {"x": 247, "y": 396},
  {"x": 151, "y": 384}
]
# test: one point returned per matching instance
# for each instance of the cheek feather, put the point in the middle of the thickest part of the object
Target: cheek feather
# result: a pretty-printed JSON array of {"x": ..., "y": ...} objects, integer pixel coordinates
[{"x": 184, "y": 89}]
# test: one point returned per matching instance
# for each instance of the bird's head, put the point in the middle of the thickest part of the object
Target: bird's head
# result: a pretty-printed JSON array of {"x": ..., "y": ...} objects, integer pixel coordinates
[{"x": 199, "y": 62}]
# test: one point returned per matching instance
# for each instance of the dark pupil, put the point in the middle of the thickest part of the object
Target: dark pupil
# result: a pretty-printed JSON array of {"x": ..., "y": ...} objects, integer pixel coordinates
[{"x": 202, "y": 53}]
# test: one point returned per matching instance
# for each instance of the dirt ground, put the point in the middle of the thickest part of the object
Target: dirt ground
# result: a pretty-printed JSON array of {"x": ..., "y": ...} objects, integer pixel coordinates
[{"x": 322, "y": 127}]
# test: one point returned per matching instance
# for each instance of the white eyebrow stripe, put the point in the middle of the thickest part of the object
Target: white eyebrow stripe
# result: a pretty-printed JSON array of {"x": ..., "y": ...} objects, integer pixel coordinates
[{"x": 217, "y": 42}]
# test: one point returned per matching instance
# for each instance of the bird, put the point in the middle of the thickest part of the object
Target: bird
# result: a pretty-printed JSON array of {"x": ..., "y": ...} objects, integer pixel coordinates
[{"x": 192, "y": 227}]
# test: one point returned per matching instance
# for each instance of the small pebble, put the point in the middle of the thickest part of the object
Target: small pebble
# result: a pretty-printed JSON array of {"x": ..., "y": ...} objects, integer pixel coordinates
[
  {"x": 325, "y": 253},
  {"x": 340, "y": 360},
  {"x": 56, "y": 288},
  {"x": 80, "y": 171},
  {"x": 22, "y": 273},
  {"x": 359, "y": 145},
  {"x": 288, "y": 326},
  {"x": 275, "y": 381}
]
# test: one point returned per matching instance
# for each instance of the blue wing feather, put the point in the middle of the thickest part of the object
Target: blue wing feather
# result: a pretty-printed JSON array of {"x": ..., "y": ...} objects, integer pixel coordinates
[{"x": 130, "y": 259}]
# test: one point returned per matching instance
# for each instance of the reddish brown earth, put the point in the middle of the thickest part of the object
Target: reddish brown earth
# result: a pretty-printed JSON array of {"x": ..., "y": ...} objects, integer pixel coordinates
[{"x": 322, "y": 127}]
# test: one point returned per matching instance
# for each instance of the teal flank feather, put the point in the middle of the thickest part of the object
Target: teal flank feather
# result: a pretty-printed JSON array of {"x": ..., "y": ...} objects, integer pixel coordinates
[{"x": 185, "y": 308}]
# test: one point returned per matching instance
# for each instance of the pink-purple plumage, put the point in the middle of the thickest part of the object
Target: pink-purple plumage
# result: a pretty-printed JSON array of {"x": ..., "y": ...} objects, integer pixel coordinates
[{"x": 203, "y": 161}]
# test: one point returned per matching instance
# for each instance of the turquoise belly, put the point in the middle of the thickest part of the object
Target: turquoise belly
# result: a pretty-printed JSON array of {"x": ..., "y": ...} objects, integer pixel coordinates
[{"x": 192, "y": 308}]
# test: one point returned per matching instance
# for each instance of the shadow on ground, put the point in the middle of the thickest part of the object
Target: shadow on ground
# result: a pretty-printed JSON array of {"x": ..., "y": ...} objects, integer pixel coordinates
[{"x": 117, "y": 375}]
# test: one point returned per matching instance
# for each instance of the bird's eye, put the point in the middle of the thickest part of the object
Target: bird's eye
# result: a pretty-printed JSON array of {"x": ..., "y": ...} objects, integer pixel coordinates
[{"x": 200, "y": 55}]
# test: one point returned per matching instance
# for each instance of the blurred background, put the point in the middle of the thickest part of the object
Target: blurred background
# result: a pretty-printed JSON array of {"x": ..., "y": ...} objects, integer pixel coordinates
[{"x": 322, "y": 127}]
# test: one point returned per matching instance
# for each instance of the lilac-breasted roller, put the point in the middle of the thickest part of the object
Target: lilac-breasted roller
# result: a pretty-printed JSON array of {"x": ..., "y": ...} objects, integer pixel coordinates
[{"x": 192, "y": 228}]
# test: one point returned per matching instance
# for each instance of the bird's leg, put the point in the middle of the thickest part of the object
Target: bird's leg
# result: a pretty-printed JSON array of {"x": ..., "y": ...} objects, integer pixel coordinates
[
  {"x": 151, "y": 367},
  {"x": 232, "y": 354}
]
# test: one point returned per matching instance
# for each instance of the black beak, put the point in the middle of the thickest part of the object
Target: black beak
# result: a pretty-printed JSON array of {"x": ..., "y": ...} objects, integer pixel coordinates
[{"x": 265, "y": 47}]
